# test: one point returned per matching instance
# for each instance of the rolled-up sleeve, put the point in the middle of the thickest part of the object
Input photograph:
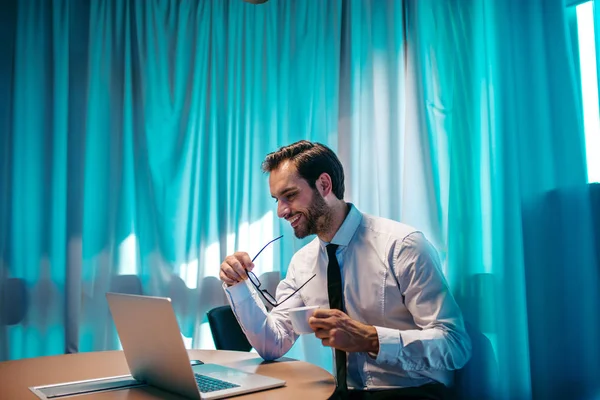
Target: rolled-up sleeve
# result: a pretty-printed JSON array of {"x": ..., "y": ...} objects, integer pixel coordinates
[{"x": 442, "y": 342}]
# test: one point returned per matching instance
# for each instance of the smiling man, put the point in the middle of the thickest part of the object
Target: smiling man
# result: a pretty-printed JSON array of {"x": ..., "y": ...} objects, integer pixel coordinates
[{"x": 386, "y": 309}]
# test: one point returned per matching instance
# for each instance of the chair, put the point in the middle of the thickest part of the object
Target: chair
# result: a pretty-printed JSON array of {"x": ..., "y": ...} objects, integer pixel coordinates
[
  {"x": 15, "y": 301},
  {"x": 226, "y": 331},
  {"x": 478, "y": 379}
]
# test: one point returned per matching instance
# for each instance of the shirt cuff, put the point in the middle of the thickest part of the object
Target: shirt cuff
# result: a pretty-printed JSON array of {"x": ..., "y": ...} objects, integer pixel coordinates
[
  {"x": 390, "y": 344},
  {"x": 238, "y": 292}
]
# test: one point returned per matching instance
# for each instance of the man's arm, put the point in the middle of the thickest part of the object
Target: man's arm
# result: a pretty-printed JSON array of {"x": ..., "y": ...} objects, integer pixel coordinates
[
  {"x": 336, "y": 329},
  {"x": 271, "y": 334},
  {"x": 442, "y": 342}
]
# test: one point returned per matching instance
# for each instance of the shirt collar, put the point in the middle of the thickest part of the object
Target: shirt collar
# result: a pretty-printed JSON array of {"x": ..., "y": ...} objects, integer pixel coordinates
[{"x": 344, "y": 234}]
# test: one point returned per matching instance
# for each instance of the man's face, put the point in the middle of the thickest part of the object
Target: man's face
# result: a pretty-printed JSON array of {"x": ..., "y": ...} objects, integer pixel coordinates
[{"x": 302, "y": 206}]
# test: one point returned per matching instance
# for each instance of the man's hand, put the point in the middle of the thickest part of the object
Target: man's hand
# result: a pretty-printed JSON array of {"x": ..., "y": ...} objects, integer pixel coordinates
[
  {"x": 336, "y": 329},
  {"x": 233, "y": 268}
]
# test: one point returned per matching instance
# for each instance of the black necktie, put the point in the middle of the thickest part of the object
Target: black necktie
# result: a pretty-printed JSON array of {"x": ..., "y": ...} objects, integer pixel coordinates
[{"x": 336, "y": 300}]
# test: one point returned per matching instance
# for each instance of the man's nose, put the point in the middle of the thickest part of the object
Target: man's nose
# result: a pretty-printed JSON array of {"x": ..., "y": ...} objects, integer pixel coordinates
[{"x": 283, "y": 210}]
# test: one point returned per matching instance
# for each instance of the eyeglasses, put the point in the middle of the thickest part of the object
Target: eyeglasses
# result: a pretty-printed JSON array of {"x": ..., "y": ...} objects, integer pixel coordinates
[{"x": 256, "y": 282}]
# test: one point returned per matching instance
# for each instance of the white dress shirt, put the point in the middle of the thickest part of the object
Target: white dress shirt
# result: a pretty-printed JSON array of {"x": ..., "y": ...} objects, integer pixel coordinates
[{"x": 391, "y": 279}]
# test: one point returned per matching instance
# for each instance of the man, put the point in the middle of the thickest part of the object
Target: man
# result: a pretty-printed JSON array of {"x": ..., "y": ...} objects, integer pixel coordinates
[{"x": 385, "y": 306}]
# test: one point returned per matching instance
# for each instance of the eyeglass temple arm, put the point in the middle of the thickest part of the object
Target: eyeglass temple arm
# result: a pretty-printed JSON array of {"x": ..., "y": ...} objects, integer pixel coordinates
[
  {"x": 295, "y": 291},
  {"x": 265, "y": 246}
]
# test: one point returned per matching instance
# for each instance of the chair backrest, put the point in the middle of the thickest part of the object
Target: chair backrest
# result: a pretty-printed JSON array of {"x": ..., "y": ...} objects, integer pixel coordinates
[
  {"x": 226, "y": 331},
  {"x": 15, "y": 301},
  {"x": 478, "y": 379}
]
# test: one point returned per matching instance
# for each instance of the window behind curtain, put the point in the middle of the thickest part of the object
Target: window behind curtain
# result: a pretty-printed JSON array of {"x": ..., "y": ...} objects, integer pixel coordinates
[{"x": 586, "y": 54}]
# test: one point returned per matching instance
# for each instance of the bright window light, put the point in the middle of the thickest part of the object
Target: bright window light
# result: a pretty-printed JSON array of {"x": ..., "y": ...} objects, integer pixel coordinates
[
  {"x": 188, "y": 342},
  {"x": 254, "y": 236},
  {"x": 128, "y": 256},
  {"x": 189, "y": 271},
  {"x": 589, "y": 88},
  {"x": 206, "y": 339},
  {"x": 250, "y": 237}
]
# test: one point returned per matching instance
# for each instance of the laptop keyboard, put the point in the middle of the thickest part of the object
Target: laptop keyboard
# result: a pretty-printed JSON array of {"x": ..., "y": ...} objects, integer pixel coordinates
[{"x": 208, "y": 384}]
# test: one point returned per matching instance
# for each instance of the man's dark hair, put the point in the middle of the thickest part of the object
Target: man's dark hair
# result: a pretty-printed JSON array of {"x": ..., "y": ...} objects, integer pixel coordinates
[{"x": 311, "y": 160}]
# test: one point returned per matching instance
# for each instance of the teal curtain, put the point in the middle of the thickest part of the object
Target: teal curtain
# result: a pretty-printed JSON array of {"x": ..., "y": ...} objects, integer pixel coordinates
[
  {"x": 372, "y": 104},
  {"x": 503, "y": 147},
  {"x": 132, "y": 138}
]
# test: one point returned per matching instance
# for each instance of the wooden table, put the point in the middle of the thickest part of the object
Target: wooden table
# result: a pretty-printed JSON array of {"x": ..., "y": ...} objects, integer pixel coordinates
[{"x": 304, "y": 380}]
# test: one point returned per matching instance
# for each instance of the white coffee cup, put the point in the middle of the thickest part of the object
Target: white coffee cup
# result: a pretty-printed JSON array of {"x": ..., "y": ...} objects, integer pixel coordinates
[{"x": 299, "y": 317}]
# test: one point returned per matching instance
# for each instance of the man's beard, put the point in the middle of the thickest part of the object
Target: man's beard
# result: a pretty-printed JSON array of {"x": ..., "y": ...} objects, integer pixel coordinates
[{"x": 317, "y": 216}]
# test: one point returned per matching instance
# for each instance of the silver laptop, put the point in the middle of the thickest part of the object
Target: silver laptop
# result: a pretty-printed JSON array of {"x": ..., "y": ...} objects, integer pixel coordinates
[{"x": 156, "y": 355}]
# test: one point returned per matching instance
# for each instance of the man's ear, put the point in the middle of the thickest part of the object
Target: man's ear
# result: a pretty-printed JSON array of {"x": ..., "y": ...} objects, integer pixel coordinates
[{"x": 324, "y": 184}]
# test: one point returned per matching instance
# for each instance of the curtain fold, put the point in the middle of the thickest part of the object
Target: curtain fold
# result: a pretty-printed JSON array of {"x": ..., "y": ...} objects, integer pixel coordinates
[
  {"x": 498, "y": 99},
  {"x": 372, "y": 99}
]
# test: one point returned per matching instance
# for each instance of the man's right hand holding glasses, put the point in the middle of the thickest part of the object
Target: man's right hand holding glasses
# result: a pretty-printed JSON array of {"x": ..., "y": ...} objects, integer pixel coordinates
[
  {"x": 233, "y": 268},
  {"x": 238, "y": 267}
]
